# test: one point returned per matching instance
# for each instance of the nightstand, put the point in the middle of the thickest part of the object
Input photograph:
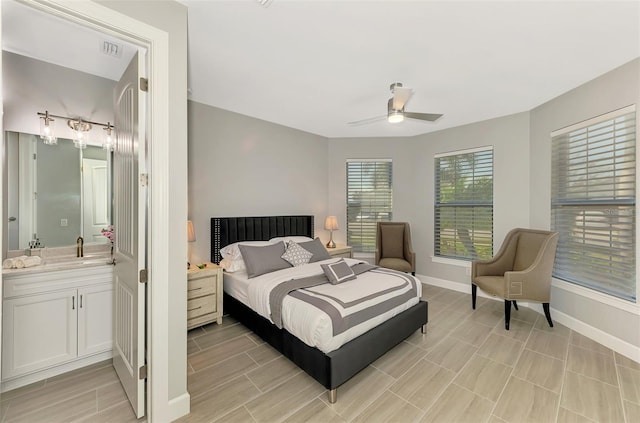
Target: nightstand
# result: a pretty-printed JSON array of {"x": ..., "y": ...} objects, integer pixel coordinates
[
  {"x": 341, "y": 250},
  {"x": 204, "y": 295}
]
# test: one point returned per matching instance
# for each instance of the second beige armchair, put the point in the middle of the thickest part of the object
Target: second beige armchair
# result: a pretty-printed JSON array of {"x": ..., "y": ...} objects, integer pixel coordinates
[
  {"x": 520, "y": 271},
  {"x": 393, "y": 247}
]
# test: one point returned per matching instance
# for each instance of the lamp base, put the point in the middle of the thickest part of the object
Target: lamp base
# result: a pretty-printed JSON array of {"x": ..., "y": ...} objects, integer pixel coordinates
[{"x": 331, "y": 244}]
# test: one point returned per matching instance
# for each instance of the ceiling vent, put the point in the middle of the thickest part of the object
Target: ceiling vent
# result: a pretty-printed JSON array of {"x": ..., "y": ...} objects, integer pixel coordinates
[{"x": 112, "y": 49}]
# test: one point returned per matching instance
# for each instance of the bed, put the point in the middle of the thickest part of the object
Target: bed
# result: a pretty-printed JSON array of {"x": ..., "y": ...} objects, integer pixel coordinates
[{"x": 332, "y": 368}]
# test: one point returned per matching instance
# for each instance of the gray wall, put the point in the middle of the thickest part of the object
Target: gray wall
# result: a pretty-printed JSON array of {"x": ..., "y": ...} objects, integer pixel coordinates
[
  {"x": 613, "y": 90},
  {"x": 242, "y": 166}
]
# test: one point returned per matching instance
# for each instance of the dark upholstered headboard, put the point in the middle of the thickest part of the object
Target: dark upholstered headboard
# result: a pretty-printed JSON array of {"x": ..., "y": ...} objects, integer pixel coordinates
[{"x": 227, "y": 230}]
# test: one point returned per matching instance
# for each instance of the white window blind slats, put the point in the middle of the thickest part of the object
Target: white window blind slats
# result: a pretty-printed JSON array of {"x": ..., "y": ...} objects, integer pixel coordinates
[
  {"x": 463, "y": 211},
  {"x": 369, "y": 200},
  {"x": 593, "y": 197}
]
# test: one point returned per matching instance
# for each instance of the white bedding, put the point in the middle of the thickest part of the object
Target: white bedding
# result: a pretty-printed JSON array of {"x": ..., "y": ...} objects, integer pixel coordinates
[{"x": 306, "y": 322}]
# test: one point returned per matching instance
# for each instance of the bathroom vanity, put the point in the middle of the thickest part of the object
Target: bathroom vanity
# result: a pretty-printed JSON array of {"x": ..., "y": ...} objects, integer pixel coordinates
[{"x": 56, "y": 317}]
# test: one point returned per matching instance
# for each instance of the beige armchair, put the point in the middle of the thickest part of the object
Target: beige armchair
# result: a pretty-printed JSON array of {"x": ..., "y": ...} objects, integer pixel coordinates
[
  {"x": 520, "y": 271},
  {"x": 393, "y": 247}
]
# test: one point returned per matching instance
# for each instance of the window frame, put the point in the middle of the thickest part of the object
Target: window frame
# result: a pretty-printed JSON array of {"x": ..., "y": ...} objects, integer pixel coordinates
[
  {"x": 615, "y": 208},
  {"x": 474, "y": 204},
  {"x": 365, "y": 242}
]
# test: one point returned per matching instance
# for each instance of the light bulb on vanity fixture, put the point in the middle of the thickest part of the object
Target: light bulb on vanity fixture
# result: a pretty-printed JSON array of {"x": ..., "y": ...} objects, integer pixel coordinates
[
  {"x": 80, "y": 128},
  {"x": 331, "y": 224}
]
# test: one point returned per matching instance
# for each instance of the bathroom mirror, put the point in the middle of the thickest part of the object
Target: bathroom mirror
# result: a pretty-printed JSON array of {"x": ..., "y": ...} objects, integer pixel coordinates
[{"x": 55, "y": 193}]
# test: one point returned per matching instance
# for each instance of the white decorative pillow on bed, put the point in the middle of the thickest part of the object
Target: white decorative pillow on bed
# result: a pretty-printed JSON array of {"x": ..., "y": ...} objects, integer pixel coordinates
[
  {"x": 286, "y": 239},
  {"x": 296, "y": 255},
  {"x": 338, "y": 272},
  {"x": 232, "y": 251},
  {"x": 230, "y": 265}
]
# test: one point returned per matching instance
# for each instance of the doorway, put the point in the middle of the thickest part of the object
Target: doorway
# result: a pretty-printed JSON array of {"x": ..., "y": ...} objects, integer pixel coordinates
[{"x": 107, "y": 20}]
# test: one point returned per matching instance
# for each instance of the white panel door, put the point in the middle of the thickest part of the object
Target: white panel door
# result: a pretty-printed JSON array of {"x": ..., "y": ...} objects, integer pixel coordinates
[
  {"x": 95, "y": 200},
  {"x": 129, "y": 245},
  {"x": 38, "y": 331},
  {"x": 95, "y": 319}
]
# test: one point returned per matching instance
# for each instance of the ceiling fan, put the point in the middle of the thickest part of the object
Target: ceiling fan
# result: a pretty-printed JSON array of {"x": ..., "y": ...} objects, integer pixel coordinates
[{"x": 395, "y": 108}]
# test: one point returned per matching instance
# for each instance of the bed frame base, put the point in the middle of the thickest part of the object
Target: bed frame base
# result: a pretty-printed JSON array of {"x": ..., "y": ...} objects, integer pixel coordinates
[{"x": 338, "y": 366}]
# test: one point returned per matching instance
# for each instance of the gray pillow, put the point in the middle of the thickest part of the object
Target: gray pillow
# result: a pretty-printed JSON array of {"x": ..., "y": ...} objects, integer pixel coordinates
[
  {"x": 316, "y": 248},
  {"x": 261, "y": 260},
  {"x": 338, "y": 272}
]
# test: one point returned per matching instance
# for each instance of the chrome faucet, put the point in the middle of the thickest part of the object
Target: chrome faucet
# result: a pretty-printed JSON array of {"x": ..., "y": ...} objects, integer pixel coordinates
[{"x": 80, "y": 243}]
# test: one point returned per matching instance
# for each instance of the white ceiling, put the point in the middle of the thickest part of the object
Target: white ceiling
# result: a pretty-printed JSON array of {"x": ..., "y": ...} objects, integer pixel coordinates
[{"x": 315, "y": 65}]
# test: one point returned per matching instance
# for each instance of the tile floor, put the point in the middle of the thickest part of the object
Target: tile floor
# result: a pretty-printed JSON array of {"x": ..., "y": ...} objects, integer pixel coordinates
[{"x": 467, "y": 368}]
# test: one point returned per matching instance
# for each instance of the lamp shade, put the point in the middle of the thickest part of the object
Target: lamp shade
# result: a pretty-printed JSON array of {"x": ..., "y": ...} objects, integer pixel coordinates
[
  {"x": 331, "y": 223},
  {"x": 191, "y": 233}
]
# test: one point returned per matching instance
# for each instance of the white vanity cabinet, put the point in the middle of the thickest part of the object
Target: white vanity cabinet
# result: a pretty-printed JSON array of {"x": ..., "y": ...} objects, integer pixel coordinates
[{"x": 53, "y": 322}]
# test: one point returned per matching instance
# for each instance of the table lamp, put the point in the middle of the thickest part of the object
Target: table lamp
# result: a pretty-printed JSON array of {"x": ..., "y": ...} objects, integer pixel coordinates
[
  {"x": 331, "y": 224},
  {"x": 191, "y": 237}
]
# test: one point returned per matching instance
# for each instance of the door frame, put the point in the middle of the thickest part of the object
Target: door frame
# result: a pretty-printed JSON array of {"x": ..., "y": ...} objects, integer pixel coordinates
[{"x": 156, "y": 41}]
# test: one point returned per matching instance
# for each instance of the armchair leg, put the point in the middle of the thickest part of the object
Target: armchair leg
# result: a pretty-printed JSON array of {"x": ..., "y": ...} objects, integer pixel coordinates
[
  {"x": 507, "y": 313},
  {"x": 474, "y": 289},
  {"x": 515, "y": 305},
  {"x": 413, "y": 273},
  {"x": 547, "y": 314}
]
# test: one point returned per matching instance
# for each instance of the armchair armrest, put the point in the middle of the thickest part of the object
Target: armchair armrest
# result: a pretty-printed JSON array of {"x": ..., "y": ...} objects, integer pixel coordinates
[{"x": 500, "y": 263}]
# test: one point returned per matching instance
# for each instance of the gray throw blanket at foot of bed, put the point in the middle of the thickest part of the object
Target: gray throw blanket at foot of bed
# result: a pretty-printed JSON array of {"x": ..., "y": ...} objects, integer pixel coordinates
[{"x": 277, "y": 294}]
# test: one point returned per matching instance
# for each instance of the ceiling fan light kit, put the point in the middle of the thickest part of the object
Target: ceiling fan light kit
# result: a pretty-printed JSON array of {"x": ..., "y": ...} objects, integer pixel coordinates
[{"x": 395, "y": 108}]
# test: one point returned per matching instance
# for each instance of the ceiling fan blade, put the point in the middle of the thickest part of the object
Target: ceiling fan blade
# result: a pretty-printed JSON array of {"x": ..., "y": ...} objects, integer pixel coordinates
[
  {"x": 431, "y": 117},
  {"x": 367, "y": 121},
  {"x": 400, "y": 97}
]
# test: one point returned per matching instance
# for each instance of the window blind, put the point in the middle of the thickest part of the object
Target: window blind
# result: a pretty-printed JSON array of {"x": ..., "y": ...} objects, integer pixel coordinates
[
  {"x": 593, "y": 202},
  {"x": 369, "y": 200},
  {"x": 463, "y": 207}
]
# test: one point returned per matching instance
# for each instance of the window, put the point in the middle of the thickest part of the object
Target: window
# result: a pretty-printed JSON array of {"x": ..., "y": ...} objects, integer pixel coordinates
[
  {"x": 593, "y": 203},
  {"x": 369, "y": 196},
  {"x": 463, "y": 227}
]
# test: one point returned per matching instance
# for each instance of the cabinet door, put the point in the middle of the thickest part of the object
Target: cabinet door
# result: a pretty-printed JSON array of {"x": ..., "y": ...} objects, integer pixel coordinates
[
  {"x": 95, "y": 327},
  {"x": 38, "y": 331}
]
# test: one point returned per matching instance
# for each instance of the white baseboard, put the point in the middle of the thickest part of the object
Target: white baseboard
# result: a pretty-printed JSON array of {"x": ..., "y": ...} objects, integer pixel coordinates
[
  {"x": 179, "y": 406},
  {"x": 616, "y": 344}
]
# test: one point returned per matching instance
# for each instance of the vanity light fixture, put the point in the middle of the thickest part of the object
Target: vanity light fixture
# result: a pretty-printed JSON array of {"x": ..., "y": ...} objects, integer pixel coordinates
[
  {"x": 80, "y": 129},
  {"x": 47, "y": 129}
]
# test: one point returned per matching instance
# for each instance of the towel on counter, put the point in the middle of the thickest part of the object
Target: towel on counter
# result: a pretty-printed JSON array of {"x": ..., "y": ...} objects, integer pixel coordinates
[{"x": 21, "y": 262}]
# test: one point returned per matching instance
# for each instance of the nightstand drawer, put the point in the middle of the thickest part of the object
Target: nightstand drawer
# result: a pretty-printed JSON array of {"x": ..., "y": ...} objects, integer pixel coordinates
[
  {"x": 345, "y": 255},
  {"x": 201, "y": 305},
  {"x": 199, "y": 287}
]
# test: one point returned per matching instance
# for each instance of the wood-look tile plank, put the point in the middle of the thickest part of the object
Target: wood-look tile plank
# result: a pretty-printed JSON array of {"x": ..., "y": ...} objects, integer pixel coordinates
[
  {"x": 110, "y": 395},
  {"x": 273, "y": 374},
  {"x": 220, "y": 334},
  {"x": 523, "y": 402},
  {"x": 239, "y": 415},
  {"x": 389, "y": 408},
  {"x": 437, "y": 329},
  {"x": 630, "y": 381},
  {"x": 422, "y": 384},
  {"x": 219, "y": 401},
  {"x": 632, "y": 411},
  {"x": 192, "y": 347},
  {"x": 519, "y": 330},
  {"x": 548, "y": 343},
  {"x": 65, "y": 411},
  {"x": 588, "y": 343},
  {"x": 623, "y": 361},
  {"x": 472, "y": 332},
  {"x": 219, "y": 373},
  {"x": 526, "y": 314},
  {"x": 263, "y": 354},
  {"x": 557, "y": 329},
  {"x": 451, "y": 353},
  {"x": 217, "y": 353},
  {"x": 590, "y": 397},
  {"x": 118, "y": 413},
  {"x": 484, "y": 377},
  {"x": 315, "y": 412},
  {"x": 567, "y": 416},
  {"x": 457, "y": 404},
  {"x": 285, "y": 398},
  {"x": 590, "y": 363},
  {"x": 359, "y": 391},
  {"x": 540, "y": 369},
  {"x": 501, "y": 349},
  {"x": 399, "y": 359}
]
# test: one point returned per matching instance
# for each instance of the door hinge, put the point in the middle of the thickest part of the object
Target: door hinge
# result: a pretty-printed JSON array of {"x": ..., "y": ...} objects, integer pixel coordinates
[
  {"x": 143, "y": 276},
  {"x": 142, "y": 373},
  {"x": 144, "y": 179},
  {"x": 34, "y": 156},
  {"x": 144, "y": 84}
]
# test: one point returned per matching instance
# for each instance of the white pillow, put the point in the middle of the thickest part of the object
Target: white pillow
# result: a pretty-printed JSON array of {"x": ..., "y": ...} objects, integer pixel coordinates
[
  {"x": 231, "y": 266},
  {"x": 286, "y": 239},
  {"x": 232, "y": 251}
]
